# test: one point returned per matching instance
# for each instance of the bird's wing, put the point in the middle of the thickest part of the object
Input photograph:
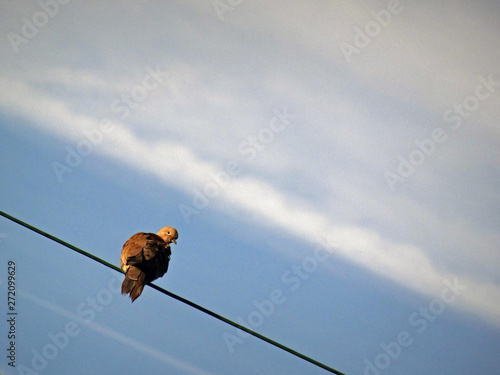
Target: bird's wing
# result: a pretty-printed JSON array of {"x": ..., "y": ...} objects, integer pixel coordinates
[
  {"x": 148, "y": 252},
  {"x": 133, "y": 247}
]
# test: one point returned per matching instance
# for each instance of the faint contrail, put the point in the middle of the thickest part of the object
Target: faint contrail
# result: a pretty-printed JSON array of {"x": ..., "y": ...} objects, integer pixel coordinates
[{"x": 187, "y": 367}]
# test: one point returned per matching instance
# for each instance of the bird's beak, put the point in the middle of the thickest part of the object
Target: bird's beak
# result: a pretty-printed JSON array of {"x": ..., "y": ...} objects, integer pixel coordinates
[{"x": 174, "y": 241}]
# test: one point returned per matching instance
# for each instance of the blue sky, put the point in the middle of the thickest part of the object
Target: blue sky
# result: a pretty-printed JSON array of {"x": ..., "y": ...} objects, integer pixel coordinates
[{"x": 334, "y": 164}]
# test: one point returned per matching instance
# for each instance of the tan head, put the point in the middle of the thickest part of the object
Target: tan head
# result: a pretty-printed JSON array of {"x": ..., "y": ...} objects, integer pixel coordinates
[{"x": 168, "y": 234}]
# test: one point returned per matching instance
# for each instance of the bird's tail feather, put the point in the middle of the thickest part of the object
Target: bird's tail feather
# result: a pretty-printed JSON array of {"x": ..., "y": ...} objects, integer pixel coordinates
[{"x": 133, "y": 283}]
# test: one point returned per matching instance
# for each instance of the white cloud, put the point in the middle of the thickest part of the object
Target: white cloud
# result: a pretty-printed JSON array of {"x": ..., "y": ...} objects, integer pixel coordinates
[
  {"x": 177, "y": 166},
  {"x": 353, "y": 121}
]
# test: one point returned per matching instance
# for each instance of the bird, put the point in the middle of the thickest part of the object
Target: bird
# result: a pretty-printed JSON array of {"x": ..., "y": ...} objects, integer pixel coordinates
[{"x": 144, "y": 258}]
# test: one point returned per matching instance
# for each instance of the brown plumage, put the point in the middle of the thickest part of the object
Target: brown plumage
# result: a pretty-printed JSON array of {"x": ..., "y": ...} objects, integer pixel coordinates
[{"x": 145, "y": 258}]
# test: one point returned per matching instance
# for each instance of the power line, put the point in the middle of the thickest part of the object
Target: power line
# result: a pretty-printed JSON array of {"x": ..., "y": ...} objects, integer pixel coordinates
[{"x": 175, "y": 296}]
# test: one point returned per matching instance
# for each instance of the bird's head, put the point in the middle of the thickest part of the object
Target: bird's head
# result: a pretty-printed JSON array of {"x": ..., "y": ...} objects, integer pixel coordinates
[{"x": 168, "y": 234}]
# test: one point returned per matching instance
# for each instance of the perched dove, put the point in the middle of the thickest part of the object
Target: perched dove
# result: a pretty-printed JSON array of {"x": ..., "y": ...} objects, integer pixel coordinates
[{"x": 145, "y": 258}]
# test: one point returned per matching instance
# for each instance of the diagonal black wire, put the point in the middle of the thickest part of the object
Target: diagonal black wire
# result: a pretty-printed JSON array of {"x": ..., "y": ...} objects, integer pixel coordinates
[{"x": 175, "y": 296}]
